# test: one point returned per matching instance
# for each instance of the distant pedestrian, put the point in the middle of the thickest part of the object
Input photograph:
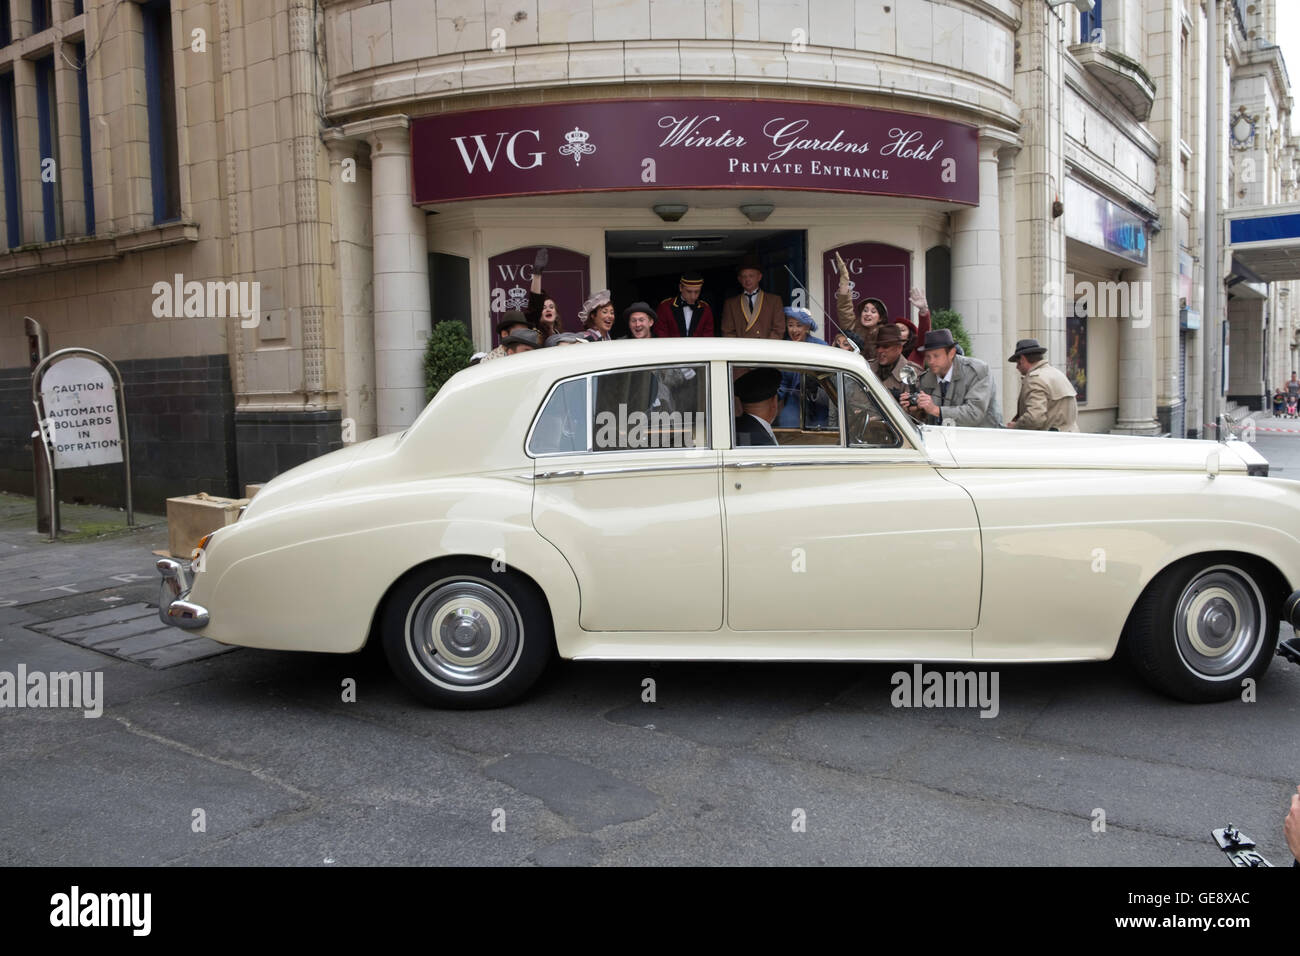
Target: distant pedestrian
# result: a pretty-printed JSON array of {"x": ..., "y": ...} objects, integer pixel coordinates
[{"x": 1047, "y": 399}]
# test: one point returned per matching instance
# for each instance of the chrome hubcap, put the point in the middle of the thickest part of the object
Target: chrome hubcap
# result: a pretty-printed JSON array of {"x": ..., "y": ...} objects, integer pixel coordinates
[
  {"x": 463, "y": 632},
  {"x": 1218, "y": 621}
]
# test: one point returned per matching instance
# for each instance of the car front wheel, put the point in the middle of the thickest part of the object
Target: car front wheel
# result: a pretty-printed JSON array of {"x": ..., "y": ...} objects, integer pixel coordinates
[
  {"x": 465, "y": 639},
  {"x": 1202, "y": 628}
]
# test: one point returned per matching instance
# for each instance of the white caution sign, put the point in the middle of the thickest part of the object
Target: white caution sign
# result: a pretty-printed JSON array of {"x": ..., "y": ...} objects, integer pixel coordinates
[{"x": 81, "y": 415}]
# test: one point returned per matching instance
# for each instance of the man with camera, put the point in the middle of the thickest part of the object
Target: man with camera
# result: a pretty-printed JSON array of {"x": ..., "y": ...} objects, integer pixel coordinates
[
  {"x": 889, "y": 361},
  {"x": 955, "y": 388}
]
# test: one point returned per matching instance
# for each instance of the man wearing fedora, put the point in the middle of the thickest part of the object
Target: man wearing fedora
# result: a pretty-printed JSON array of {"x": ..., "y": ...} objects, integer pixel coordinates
[
  {"x": 1047, "y": 399},
  {"x": 955, "y": 388},
  {"x": 889, "y": 359},
  {"x": 754, "y": 314}
]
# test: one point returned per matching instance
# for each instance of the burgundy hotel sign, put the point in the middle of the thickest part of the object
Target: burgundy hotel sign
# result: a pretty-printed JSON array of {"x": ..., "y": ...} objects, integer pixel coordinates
[{"x": 692, "y": 144}]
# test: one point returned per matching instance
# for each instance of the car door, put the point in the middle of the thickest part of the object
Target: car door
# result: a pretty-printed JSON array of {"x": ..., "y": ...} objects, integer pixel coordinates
[
  {"x": 863, "y": 534},
  {"x": 626, "y": 487}
]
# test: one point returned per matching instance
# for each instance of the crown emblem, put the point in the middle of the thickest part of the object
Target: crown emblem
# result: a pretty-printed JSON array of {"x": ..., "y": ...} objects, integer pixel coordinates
[
  {"x": 576, "y": 145},
  {"x": 518, "y": 297}
]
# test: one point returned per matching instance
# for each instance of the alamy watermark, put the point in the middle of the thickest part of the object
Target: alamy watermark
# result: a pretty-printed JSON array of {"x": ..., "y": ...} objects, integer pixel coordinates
[
  {"x": 922, "y": 688},
  {"x": 1132, "y": 300},
  {"x": 80, "y": 690},
  {"x": 213, "y": 299},
  {"x": 75, "y": 908},
  {"x": 653, "y": 429}
]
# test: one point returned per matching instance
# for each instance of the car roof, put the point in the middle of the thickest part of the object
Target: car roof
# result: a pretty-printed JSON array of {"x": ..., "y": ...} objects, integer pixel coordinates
[
  {"x": 484, "y": 412},
  {"x": 559, "y": 362}
]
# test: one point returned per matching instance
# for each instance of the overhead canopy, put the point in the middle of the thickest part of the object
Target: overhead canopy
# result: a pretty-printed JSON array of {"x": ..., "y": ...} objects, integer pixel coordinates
[{"x": 1266, "y": 240}]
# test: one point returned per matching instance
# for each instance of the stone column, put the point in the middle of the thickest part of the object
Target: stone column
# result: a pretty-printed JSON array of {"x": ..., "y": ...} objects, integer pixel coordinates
[
  {"x": 977, "y": 260},
  {"x": 1137, "y": 357},
  {"x": 354, "y": 274},
  {"x": 1010, "y": 280},
  {"x": 401, "y": 290}
]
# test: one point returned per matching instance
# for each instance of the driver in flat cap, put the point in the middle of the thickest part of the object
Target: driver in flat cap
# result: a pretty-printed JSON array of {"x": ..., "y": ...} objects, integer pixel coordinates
[
  {"x": 684, "y": 315},
  {"x": 1047, "y": 401},
  {"x": 757, "y": 390}
]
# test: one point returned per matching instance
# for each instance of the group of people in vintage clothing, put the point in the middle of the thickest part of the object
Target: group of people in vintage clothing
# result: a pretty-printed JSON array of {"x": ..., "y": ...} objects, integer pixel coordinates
[{"x": 924, "y": 368}]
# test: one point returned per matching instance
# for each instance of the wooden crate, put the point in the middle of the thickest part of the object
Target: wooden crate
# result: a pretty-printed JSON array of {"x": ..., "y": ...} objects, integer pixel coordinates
[{"x": 191, "y": 517}]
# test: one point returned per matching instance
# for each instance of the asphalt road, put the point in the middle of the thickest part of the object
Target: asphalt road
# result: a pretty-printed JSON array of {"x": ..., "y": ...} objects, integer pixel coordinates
[
  {"x": 718, "y": 770},
  {"x": 254, "y": 757}
]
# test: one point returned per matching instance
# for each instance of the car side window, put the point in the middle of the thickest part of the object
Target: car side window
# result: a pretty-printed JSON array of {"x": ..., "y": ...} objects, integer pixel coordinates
[
  {"x": 868, "y": 426},
  {"x": 648, "y": 408},
  {"x": 562, "y": 425},
  {"x": 803, "y": 411}
]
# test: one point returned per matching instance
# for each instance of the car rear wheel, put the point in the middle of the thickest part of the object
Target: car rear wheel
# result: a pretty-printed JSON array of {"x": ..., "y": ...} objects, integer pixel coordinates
[
  {"x": 1203, "y": 627},
  {"x": 467, "y": 639}
]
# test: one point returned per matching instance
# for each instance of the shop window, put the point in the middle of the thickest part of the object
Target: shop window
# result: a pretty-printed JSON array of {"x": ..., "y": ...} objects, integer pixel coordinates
[
  {"x": 160, "y": 82},
  {"x": 47, "y": 122},
  {"x": 83, "y": 109},
  {"x": 938, "y": 277},
  {"x": 449, "y": 290},
  {"x": 9, "y": 157}
]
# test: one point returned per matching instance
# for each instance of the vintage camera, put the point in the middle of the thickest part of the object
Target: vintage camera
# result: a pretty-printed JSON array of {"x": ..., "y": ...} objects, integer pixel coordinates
[{"x": 907, "y": 375}]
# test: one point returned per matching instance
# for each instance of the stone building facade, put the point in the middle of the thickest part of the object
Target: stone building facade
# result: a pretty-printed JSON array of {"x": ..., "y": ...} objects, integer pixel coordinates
[{"x": 310, "y": 153}]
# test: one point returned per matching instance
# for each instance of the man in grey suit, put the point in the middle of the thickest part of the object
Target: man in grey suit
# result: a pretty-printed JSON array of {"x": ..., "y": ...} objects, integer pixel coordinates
[{"x": 954, "y": 388}]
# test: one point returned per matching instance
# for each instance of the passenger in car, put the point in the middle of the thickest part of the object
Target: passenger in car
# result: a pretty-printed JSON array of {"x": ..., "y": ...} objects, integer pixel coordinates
[{"x": 757, "y": 392}]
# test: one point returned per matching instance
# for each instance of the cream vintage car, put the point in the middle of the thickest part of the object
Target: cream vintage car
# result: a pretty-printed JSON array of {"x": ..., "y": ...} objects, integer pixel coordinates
[{"x": 593, "y": 501}]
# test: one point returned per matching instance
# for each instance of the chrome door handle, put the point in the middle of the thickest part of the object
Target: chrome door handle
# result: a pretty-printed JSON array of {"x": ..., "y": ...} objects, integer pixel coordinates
[
  {"x": 751, "y": 464},
  {"x": 561, "y": 474}
]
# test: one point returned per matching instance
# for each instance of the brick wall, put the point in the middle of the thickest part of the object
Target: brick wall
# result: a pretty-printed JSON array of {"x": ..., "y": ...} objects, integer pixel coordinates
[{"x": 180, "y": 417}]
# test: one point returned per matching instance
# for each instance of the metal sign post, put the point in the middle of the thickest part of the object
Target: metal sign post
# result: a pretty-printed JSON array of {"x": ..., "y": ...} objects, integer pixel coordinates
[
  {"x": 77, "y": 423},
  {"x": 37, "y": 346}
]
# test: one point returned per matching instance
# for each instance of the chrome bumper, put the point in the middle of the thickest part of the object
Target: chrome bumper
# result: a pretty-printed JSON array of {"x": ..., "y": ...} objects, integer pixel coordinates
[{"x": 173, "y": 609}]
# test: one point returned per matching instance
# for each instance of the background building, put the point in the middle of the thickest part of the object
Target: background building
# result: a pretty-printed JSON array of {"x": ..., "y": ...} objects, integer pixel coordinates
[{"x": 377, "y": 166}]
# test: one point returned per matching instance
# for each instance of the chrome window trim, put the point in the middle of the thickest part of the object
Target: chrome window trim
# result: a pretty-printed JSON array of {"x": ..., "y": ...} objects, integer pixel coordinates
[
  {"x": 808, "y": 462},
  {"x": 629, "y": 469}
]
